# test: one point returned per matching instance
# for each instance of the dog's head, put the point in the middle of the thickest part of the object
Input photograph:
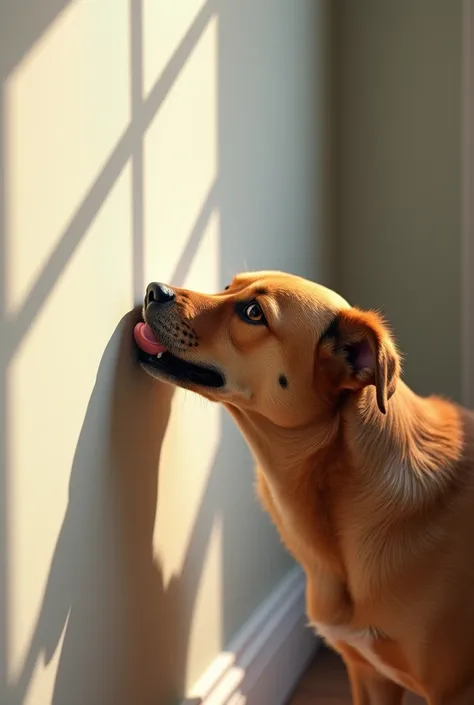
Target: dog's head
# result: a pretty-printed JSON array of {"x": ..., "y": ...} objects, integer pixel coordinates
[{"x": 275, "y": 343}]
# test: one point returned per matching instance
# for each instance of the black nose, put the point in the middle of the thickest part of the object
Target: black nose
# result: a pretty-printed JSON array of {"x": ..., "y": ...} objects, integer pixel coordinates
[{"x": 158, "y": 293}]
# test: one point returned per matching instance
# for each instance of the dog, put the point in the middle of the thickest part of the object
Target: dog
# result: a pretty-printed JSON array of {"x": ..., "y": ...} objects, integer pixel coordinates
[{"x": 370, "y": 486}]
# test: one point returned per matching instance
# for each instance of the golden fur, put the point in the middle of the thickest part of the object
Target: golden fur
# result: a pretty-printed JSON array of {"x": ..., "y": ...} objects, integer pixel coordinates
[{"x": 370, "y": 486}]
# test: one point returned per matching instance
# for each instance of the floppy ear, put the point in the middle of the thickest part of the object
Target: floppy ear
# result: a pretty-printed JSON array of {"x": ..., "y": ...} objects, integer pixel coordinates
[{"x": 357, "y": 350}]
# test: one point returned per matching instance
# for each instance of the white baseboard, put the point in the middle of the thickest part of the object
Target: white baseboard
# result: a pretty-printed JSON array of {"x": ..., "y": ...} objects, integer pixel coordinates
[{"x": 264, "y": 662}]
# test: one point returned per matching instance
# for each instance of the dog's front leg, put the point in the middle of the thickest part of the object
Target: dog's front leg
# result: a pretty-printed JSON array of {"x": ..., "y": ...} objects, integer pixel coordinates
[{"x": 367, "y": 685}]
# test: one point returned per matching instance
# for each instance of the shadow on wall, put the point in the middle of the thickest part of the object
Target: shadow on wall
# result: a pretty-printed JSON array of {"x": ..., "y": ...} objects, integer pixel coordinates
[{"x": 107, "y": 616}]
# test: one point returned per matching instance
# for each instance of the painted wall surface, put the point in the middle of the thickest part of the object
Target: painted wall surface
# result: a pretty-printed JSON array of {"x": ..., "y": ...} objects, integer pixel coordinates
[
  {"x": 399, "y": 189},
  {"x": 140, "y": 140}
]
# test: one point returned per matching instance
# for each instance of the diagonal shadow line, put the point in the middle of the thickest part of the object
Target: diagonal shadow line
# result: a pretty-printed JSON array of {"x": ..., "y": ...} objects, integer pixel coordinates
[
  {"x": 40, "y": 16},
  {"x": 195, "y": 236},
  {"x": 97, "y": 194}
]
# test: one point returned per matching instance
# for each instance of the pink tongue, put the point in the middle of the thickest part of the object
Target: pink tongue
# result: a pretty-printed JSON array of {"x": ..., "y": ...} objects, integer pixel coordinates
[{"x": 146, "y": 340}]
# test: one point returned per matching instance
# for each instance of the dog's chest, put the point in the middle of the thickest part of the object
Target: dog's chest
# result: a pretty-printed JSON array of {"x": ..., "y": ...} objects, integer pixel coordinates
[{"x": 362, "y": 641}]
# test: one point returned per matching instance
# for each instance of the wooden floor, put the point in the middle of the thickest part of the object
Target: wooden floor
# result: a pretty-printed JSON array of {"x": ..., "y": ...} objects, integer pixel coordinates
[{"x": 325, "y": 683}]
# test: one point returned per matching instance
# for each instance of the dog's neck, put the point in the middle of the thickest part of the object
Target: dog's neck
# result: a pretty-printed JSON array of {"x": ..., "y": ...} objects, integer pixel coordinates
[
  {"x": 277, "y": 450},
  {"x": 414, "y": 444}
]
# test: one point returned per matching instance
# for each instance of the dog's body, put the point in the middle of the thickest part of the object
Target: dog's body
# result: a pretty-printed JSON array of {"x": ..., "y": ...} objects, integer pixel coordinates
[
  {"x": 386, "y": 544},
  {"x": 370, "y": 486}
]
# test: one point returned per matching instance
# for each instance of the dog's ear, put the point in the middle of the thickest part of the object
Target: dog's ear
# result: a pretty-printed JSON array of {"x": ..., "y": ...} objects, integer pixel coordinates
[{"x": 356, "y": 351}]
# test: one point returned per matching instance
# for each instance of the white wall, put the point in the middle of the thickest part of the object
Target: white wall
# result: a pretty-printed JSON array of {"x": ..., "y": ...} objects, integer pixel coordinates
[
  {"x": 140, "y": 140},
  {"x": 399, "y": 113}
]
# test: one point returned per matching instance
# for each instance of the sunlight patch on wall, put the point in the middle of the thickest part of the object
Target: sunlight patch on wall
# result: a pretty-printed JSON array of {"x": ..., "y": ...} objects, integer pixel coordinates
[
  {"x": 67, "y": 103},
  {"x": 207, "y": 613},
  {"x": 181, "y": 160}
]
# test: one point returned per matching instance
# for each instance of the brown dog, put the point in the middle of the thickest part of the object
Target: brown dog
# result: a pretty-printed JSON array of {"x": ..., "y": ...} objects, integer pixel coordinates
[{"x": 370, "y": 486}]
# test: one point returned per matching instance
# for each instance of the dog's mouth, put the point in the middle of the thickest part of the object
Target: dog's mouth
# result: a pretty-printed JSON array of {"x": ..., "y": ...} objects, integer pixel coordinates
[{"x": 153, "y": 354}]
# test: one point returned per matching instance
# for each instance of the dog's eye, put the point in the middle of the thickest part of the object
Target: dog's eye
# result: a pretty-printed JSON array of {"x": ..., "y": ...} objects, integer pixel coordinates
[
  {"x": 254, "y": 313},
  {"x": 226, "y": 288}
]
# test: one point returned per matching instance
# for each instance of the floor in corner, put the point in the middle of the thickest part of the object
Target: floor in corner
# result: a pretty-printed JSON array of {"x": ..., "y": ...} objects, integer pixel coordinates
[{"x": 326, "y": 682}]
